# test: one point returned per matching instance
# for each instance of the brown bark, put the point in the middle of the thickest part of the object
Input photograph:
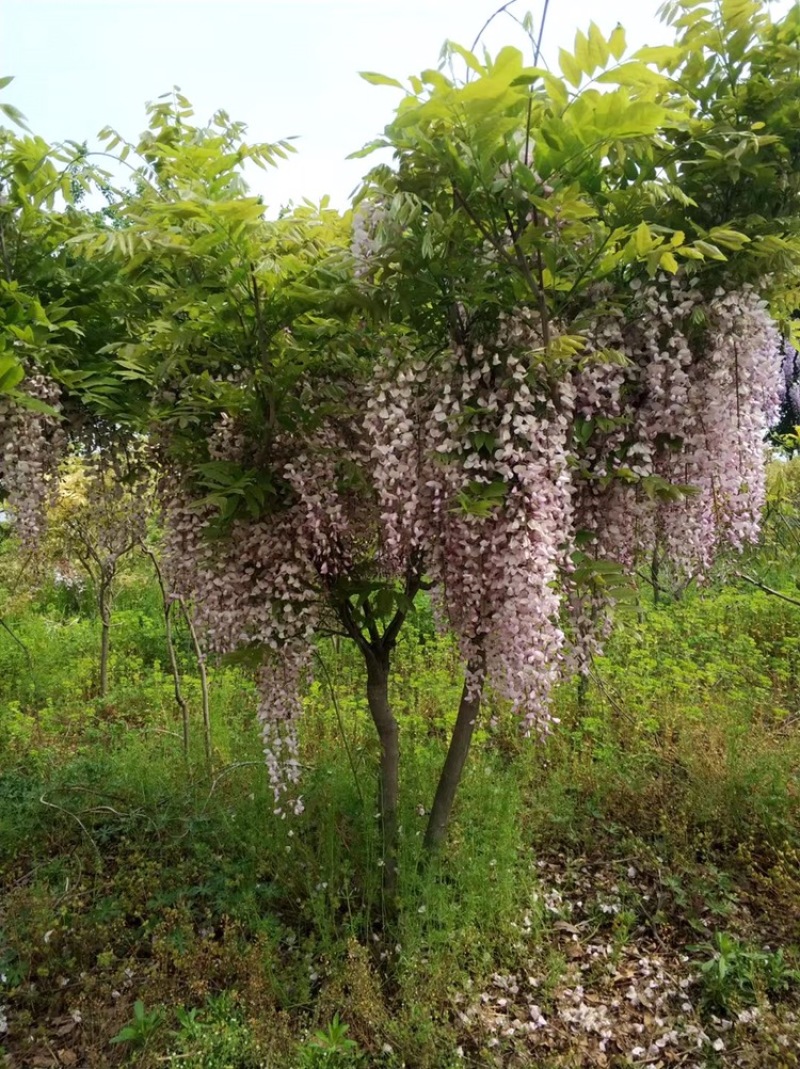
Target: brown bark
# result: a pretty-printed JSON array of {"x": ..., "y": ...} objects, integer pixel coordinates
[
  {"x": 389, "y": 782},
  {"x": 105, "y": 634},
  {"x": 468, "y": 713}
]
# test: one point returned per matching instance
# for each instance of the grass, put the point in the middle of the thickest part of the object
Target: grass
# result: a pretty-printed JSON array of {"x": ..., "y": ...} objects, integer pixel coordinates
[{"x": 155, "y": 913}]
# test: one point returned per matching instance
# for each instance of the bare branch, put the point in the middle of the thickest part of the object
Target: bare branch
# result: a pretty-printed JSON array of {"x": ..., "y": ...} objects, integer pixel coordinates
[{"x": 767, "y": 589}]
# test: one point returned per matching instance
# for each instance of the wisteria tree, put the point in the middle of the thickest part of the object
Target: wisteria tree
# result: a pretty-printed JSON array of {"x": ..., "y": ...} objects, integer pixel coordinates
[
  {"x": 595, "y": 365},
  {"x": 255, "y": 349},
  {"x": 545, "y": 343}
]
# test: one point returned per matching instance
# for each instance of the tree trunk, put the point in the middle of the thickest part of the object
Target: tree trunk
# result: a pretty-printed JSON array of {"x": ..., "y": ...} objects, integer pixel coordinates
[
  {"x": 386, "y": 725},
  {"x": 166, "y": 605},
  {"x": 468, "y": 712},
  {"x": 105, "y": 636},
  {"x": 201, "y": 668},
  {"x": 180, "y": 701}
]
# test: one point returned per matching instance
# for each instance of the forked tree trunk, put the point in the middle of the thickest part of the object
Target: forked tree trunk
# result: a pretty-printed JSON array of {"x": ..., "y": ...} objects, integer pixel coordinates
[
  {"x": 389, "y": 784},
  {"x": 468, "y": 713}
]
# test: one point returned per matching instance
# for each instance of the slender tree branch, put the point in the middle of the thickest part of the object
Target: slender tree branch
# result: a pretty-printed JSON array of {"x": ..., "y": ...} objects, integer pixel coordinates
[
  {"x": 767, "y": 589},
  {"x": 340, "y": 720},
  {"x": 541, "y": 32},
  {"x": 344, "y": 611},
  {"x": 201, "y": 668},
  {"x": 226, "y": 771},
  {"x": 536, "y": 287},
  {"x": 413, "y": 586},
  {"x": 489, "y": 22},
  {"x": 77, "y": 819},
  {"x": 18, "y": 641},
  {"x": 180, "y": 701}
]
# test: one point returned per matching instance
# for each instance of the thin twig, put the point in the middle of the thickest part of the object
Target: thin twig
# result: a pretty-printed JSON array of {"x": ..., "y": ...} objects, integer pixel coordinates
[
  {"x": 541, "y": 33},
  {"x": 180, "y": 701},
  {"x": 76, "y": 818},
  {"x": 598, "y": 682},
  {"x": 767, "y": 589},
  {"x": 201, "y": 668},
  {"x": 489, "y": 22},
  {"x": 224, "y": 772},
  {"x": 18, "y": 641},
  {"x": 340, "y": 720}
]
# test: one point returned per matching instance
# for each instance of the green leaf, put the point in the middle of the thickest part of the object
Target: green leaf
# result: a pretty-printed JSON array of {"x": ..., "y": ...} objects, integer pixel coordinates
[
  {"x": 598, "y": 47},
  {"x": 469, "y": 58},
  {"x": 24, "y": 400},
  {"x": 643, "y": 239},
  {"x": 380, "y": 79},
  {"x": 11, "y": 373},
  {"x": 668, "y": 262},
  {"x": 570, "y": 68},
  {"x": 663, "y": 56},
  {"x": 582, "y": 55},
  {"x": 635, "y": 74},
  {"x": 14, "y": 114},
  {"x": 616, "y": 42},
  {"x": 709, "y": 251},
  {"x": 730, "y": 239},
  {"x": 556, "y": 90}
]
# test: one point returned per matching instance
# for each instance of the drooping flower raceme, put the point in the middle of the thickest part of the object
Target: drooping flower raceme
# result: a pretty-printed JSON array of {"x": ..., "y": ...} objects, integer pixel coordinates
[
  {"x": 491, "y": 468},
  {"x": 31, "y": 445},
  {"x": 500, "y": 469},
  {"x": 470, "y": 460},
  {"x": 263, "y": 584},
  {"x": 689, "y": 407}
]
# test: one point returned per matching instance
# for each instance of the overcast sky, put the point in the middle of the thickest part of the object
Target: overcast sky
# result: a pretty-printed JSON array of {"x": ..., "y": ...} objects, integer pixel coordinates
[{"x": 285, "y": 67}]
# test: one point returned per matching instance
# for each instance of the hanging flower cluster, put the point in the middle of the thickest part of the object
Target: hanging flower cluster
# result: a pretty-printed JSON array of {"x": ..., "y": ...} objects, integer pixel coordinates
[
  {"x": 470, "y": 462},
  {"x": 31, "y": 445},
  {"x": 501, "y": 510},
  {"x": 493, "y": 468},
  {"x": 397, "y": 410},
  {"x": 368, "y": 217},
  {"x": 500, "y": 469},
  {"x": 688, "y": 407},
  {"x": 263, "y": 584}
]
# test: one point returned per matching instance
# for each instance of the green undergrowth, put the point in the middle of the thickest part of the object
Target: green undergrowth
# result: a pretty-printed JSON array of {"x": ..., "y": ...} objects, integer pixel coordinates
[{"x": 155, "y": 911}]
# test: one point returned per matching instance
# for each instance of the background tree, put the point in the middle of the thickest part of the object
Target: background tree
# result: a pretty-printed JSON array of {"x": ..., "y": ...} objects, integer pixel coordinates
[
  {"x": 99, "y": 518},
  {"x": 55, "y": 308}
]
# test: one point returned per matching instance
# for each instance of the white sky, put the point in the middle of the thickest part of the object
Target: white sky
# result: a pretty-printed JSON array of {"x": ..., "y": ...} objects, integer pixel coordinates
[{"x": 285, "y": 67}]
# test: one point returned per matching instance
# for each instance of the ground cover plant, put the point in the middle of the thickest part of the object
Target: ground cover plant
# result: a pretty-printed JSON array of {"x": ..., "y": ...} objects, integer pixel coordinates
[
  {"x": 481, "y": 458},
  {"x": 626, "y": 894}
]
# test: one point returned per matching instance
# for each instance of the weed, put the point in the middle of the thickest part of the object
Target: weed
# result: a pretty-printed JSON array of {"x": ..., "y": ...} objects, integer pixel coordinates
[
  {"x": 127, "y": 873},
  {"x": 734, "y": 974},
  {"x": 331, "y": 1048},
  {"x": 142, "y": 1027}
]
